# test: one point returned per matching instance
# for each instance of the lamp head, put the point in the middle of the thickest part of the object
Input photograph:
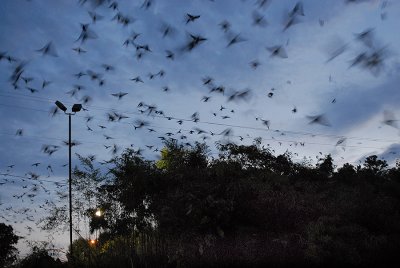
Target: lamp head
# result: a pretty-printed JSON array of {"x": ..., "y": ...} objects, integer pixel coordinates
[
  {"x": 76, "y": 108},
  {"x": 98, "y": 213},
  {"x": 61, "y": 106}
]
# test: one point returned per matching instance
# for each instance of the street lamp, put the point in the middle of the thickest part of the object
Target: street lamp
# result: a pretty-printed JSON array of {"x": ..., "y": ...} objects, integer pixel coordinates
[
  {"x": 75, "y": 108},
  {"x": 98, "y": 213}
]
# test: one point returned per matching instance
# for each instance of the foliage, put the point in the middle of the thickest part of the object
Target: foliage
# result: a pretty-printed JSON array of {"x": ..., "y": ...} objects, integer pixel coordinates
[
  {"x": 246, "y": 207},
  {"x": 39, "y": 257},
  {"x": 8, "y": 253}
]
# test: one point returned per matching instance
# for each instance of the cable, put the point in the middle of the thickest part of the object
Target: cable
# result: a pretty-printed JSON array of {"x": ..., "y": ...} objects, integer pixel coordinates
[
  {"x": 226, "y": 125},
  {"x": 29, "y": 178}
]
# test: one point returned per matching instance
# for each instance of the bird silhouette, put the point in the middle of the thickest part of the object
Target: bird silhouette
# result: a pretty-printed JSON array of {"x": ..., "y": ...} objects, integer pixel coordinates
[
  {"x": 95, "y": 17},
  {"x": 278, "y": 51},
  {"x": 19, "y": 132},
  {"x": 319, "y": 119},
  {"x": 258, "y": 19},
  {"x": 234, "y": 39},
  {"x": 191, "y": 18},
  {"x": 119, "y": 95},
  {"x": 48, "y": 49},
  {"x": 390, "y": 119}
]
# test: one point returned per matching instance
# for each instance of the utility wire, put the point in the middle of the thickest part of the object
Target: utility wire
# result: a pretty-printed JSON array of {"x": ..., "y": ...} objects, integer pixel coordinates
[{"x": 212, "y": 123}]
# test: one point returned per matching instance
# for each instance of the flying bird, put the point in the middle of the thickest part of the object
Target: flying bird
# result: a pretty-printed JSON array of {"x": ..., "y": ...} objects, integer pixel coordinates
[
  {"x": 278, "y": 51},
  {"x": 137, "y": 79},
  {"x": 95, "y": 17},
  {"x": 258, "y": 19},
  {"x": 234, "y": 39},
  {"x": 119, "y": 95},
  {"x": 48, "y": 49},
  {"x": 390, "y": 119},
  {"x": 319, "y": 119},
  {"x": 191, "y": 18}
]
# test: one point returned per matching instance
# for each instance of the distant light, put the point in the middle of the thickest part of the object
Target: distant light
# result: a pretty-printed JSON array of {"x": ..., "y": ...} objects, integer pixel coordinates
[
  {"x": 61, "y": 106},
  {"x": 98, "y": 213},
  {"x": 92, "y": 241},
  {"x": 76, "y": 108}
]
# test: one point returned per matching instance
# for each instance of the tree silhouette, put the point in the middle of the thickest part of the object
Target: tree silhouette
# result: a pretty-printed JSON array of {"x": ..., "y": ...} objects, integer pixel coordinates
[
  {"x": 245, "y": 207},
  {"x": 8, "y": 252}
]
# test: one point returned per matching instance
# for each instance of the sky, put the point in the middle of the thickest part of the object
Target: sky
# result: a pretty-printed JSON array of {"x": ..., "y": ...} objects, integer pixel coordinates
[{"x": 314, "y": 77}]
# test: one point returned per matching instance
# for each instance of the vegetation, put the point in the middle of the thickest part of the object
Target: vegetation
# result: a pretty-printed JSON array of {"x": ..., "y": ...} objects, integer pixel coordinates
[
  {"x": 8, "y": 252},
  {"x": 245, "y": 208},
  {"x": 40, "y": 257}
]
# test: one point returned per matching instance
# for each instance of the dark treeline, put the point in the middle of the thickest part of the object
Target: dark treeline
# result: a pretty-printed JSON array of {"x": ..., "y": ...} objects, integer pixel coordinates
[{"x": 246, "y": 207}]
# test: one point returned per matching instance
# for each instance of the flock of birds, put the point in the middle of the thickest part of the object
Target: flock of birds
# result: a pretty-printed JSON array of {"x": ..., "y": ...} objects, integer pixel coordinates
[{"x": 36, "y": 188}]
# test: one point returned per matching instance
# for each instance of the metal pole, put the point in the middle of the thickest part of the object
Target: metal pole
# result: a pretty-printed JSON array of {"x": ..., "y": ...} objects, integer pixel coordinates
[{"x": 70, "y": 188}]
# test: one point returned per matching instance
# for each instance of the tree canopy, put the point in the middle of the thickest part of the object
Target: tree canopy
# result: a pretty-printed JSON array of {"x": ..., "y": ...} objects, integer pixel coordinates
[
  {"x": 8, "y": 252},
  {"x": 244, "y": 207}
]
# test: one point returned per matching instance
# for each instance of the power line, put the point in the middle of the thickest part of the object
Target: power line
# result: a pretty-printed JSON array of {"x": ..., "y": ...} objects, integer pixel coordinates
[
  {"x": 221, "y": 124},
  {"x": 29, "y": 178}
]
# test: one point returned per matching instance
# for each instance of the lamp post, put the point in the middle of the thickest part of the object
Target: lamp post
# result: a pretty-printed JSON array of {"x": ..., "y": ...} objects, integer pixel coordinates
[{"x": 75, "y": 108}]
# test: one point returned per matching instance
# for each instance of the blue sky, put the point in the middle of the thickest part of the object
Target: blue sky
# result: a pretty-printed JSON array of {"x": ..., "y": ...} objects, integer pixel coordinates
[{"x": 354, "y": 100}]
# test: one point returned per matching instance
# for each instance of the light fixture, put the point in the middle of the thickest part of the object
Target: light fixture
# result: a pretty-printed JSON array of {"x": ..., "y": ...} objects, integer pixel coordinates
[
  {"x": 61, "y": 106},
  {"x": 76, "y": 108},
  {"x": 98, "y": 213}
]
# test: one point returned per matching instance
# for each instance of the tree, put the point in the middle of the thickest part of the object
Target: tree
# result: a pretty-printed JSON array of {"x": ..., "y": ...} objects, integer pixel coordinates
[
  {"x": 375, "y": 165},
  {"x": 247, "y": 207},
  {"x": 325, "y": 167},
  {"x": 40, "y": 257},
  {"x": 8, "y": 253},
  {"x": 346, "y": 173}
]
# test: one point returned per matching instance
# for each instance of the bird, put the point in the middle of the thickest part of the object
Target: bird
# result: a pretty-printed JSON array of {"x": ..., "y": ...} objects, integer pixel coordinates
[
  {"x": 234, "y": 39},
  {"x": 278, "y": 51},
  {"x": 48, "y": 49},
  {"x": 390, "y": 119},
  {"x": 297, "y": 10},
  {"x": 137, "y": 79},
  {"x": 86, "y": 34},
  {"x": 366, "y": 37},
  {"x": 45, "y": 83},
  {"x": 340, "y": 141},
  {"x": 266, "y": 123},
  {"x": 119, "y": 95},
  {"x": 191, "y": 18},
  {"x": 170, "y": 55},
  {"x": 140, "y": 124},
  {"x": 254, "y": 64},
  {"x": 108, "y": 67},
  {"x": 207, "y": 80},
  {"x": 337, "y": 52},
  {"x": 19, "y": 132},
  {"x": 194, "y": 41},
  {"x": 167, "y": 30},
  {"x": 95, "y": 17},
  {"x": 79, "y": 50},
  {"x": 319, "y": 119},
  {"x": 258, "y": 19},
  {"x": 225, "y": 26}
]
